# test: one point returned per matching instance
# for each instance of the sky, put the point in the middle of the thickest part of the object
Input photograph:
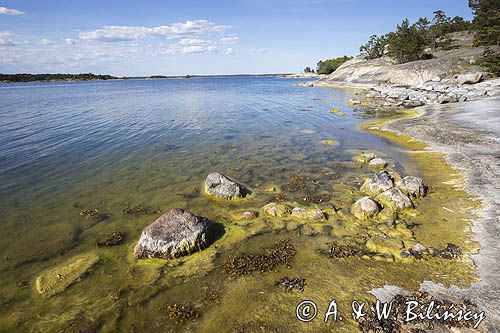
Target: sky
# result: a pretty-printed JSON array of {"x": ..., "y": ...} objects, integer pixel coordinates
[{"x": 179, "y": 37}]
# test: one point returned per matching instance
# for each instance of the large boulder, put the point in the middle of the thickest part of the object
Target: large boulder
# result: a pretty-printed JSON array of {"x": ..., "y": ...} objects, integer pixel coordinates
[
  {"x": 395, "y": 199},
  {"x": 221, "y": 186},
  {"x": 308, "y": 214},
  {"x": 469, "y": 78},
  {"x": 377, "y": 183},
  {"x": 174, "y": 234},
  {"x": 412, "y": 186},
  {"x": 364, "y": 208}
]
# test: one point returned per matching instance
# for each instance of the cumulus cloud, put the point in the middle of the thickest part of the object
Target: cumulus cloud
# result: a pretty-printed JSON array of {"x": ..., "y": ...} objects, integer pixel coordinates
[
  {"x": 229, "y": 40},
  {"x": 7, "y": 11},
  {"x": 45, "y": 41},
  {"x": 192, "y": 46},
  {"x": 118, "y": 33},
  {"x": 70, "y": 41},
  {"x": 228, "y": 51},
  {"x": 6, "y": 39}
]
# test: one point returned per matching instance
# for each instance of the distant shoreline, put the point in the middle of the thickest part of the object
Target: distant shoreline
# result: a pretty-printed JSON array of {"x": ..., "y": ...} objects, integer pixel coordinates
[{"x": 25, "y": 77}]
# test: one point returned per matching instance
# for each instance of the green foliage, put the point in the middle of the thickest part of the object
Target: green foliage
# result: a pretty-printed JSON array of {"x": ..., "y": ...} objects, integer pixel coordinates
[
  {"x": 490, "y": 61},
  {"x": 486, "y": 21},
  {"x": 330, "y": 65},
  {"x": 308, "y": 70},
  {"x": 24, "y": 77},
  {"x": 407, "y": 43},
  {"x": 375, "y": 46}
]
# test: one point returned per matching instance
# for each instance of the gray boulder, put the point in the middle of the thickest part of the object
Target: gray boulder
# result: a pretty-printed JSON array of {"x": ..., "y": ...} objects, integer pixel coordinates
[
  {"x": 394, "y": 199},
  {"x": 414, "y": 103},
  {"x": 308, "y": 214},
  {"x": 469, "y": 78},
  {"x": 364, "y": 208},
  {"x": 377, "y": 163},
  {"x": 174, "y": 234},
  {"x": 377, "y": 183},
  {"x": 412, "y": 186},
  {"x": 221, "y": 186}
]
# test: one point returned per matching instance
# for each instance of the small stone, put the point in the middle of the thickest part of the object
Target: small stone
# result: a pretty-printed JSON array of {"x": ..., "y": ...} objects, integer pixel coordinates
[
  {"x": 221, "y": 186},
  {"x": 412, "y": 186},
  {"x": 418, "y": 248},
  {"x": 395, "y": 199},
  {"x": 308, "y": 214},
  {"x": 364, "y": 208},
  {"x": 248, "y": 215},
  {"x": 174, "y": 234},
  {"x": 377, "y": 163},
  {"x": 365, "y": 158},
  {"x": 276, "y": 209},
  {"x": 377, "y": 183}
]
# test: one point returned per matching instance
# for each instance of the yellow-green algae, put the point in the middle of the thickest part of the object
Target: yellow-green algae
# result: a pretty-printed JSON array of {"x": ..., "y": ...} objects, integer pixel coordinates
[{"x": 125, "y": 294}]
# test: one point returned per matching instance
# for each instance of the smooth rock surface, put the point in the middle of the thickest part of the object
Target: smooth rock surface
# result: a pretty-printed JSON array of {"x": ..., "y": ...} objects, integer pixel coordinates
[
  {"x": 308, "y": 214},
  {"x": 174, "y": 234},
  {"x": 395, "y": 199},
  {"x": 377, "y": 183},
  {"x": 276, "y": 210},
  {"x": 223, "y": 187},
  {"x": 364, "y": 208},
  {"x": 377, "y": 163}
]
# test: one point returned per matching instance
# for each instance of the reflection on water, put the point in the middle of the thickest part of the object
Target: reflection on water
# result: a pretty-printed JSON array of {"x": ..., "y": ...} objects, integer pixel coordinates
[{"x": 71, "y": 147}]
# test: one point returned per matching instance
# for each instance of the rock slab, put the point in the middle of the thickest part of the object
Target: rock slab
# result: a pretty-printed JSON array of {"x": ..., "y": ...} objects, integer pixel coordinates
[{"x": 174, "y": 234}]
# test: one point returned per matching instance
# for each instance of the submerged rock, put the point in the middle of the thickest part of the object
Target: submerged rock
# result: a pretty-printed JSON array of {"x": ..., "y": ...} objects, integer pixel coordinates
[
  {"x": 395, "y": 199},
  {"x": 365, "y": 158},
  {"x": 61, "y": 277},
  {"x": 276, "y": 209},
  {"x": 377, "y": 163},
  {"x": 364, "y": 208},
  {"x": 308, "y": 214},
  {"x": 384, "y": 245},
  {"x": 412, "y": 186},
  {"x": 377, "y": 183},
  {"x": 221, "y": 186},
  {"x": 174, "y": 234}
]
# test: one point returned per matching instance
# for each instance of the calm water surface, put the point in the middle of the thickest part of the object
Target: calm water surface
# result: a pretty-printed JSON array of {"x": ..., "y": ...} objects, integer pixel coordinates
[{"x": 66, "y": 147}]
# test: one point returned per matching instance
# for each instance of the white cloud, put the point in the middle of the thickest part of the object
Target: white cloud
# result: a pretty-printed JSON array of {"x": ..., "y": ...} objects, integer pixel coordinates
[
  {"x": 7, "y": 11},
  {"x": 6, "y": 39},
  {"x": 229, "y": 40},
  {"x": 183, "y": 47},
  {"x": 45, "y": 41},
  {"x": 70, "y": 41},
  {"x": 229, "y": 51},
  {"x": 116, "y": 33},
  {"x": 260, "y": 50}
]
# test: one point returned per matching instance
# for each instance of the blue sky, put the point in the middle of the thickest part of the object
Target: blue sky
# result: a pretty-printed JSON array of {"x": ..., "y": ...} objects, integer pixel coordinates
[{"x": 174, "y": 37}]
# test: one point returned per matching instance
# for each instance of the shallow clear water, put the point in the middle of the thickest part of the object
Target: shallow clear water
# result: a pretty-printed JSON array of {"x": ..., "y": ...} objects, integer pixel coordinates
[{"x": 66, "y": 147}]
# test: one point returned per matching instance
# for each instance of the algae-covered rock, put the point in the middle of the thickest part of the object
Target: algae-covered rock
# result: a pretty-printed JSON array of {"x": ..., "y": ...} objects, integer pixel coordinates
[
  {"x": 412, "y": 186},
  {"x": 174, "y": 234},
  {"x": 276, "y": 209},
  {"x": 61, "y": 277},
  {"x": 377, "y": 183},
  {"x": 377, "y": 163},
  {"x": 395, "y": 199},
  {"x": 384, "y": 245},
  {"x": 365, "y": 158},
  {"x": 308, "y": 214},
  {"x": 364, "y": 208},
  {"x": 221, "y": 186}
]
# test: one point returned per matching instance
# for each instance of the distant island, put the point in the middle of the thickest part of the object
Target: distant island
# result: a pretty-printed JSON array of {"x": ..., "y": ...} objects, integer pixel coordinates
[{"x": 28, "y": 77}]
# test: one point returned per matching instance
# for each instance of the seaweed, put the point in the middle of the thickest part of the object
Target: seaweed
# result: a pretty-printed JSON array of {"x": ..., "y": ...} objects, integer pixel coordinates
[
  {"x": 137, "y": 209},
  {"x": 112, "y": 239},
  {"x": 343, "y": 250},
  {"x": 281, "y": 253},
  {"x": 180, "y": 313},
  {"x": 291, "y": 283},
  {"x": 94, "y": 213},
  {"x": 451, "y": 251}
]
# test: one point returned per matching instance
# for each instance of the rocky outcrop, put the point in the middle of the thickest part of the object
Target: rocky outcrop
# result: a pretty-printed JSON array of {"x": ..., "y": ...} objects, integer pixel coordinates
[
  {"x": 377, "y": 183},
  {"x": 365, "y": 158},
  {"x": 395, "y": 199},
  {"x": 377, "y": 163},
  {"x": 222, "y": 187},
  {"x": 412, "y": 186},
  {"x": 174, "y": 234},
  {"x": 61, "y": 277},
  {"x": 364, "y": 208},
  {"x": 276, "y": 210}
]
